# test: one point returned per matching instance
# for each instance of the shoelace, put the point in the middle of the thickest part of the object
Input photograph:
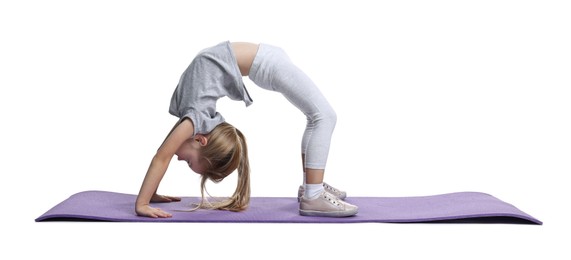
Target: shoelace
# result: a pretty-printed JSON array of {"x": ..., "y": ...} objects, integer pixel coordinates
[
  {"x": 331, "y": 198},
  {"x": 327, "y": 187}
]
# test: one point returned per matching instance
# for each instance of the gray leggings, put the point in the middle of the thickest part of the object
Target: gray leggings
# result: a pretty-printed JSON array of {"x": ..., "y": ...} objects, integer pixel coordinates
[{"x": 273, "y": 70}]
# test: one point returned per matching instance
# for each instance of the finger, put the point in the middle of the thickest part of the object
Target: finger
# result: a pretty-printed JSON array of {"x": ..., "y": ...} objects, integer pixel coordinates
[
  {"x": 175, "y": 198},
  {"x": 151, "y": 215},
  {"x": 163, "y": 214},
  {"x": 170, "y": 198}
]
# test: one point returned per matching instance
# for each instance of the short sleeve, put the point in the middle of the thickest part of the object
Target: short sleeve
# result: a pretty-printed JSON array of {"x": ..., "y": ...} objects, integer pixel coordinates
[{"x": 203, "y": 122}]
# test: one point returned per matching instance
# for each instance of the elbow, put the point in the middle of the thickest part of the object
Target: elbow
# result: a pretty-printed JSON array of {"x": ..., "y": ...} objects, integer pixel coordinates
[{"x": 160, "y": 159}]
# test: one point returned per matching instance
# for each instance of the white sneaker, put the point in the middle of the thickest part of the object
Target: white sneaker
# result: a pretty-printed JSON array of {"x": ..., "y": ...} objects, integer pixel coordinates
[
  {"x": 326, "y": 205},
  {"x": 338, "y": 193}
]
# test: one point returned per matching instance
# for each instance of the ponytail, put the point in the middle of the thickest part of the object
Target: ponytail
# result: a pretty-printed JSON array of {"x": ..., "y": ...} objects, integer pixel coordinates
[{"x": 226, "y": 152}]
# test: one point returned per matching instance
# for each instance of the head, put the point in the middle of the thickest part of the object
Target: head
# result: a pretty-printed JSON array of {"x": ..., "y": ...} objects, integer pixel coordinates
[
  {"x": 190, "y": 152},
  {"x": 217, "y": 155}
]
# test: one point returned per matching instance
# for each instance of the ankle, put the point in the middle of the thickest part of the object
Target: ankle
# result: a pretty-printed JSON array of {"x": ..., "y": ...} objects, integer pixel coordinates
[{"x": 312, "y": 191}]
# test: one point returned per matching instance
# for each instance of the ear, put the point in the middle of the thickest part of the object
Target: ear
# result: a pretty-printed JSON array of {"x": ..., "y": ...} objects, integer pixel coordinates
[{"x": 201, "y": 139}]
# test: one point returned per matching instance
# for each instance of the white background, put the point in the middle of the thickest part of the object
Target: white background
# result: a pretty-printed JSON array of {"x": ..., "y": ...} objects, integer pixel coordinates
[{"x": 432, "y": 97}]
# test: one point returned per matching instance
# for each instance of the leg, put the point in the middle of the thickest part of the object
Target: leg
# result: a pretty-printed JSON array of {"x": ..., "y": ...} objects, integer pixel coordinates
[
  {"x": 273, "y": 70},
  {"x": 314, "y": 176},
  {"x": 311, "y": 176}
]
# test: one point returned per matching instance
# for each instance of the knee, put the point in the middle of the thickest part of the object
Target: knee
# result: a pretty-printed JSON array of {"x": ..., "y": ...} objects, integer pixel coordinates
[
  {"x": 326, "y": 118},
  {"x": 331, "y": 116}
]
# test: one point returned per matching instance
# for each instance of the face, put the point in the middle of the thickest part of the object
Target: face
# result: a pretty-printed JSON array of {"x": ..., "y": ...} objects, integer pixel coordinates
[{"x": 189, "y": 152}]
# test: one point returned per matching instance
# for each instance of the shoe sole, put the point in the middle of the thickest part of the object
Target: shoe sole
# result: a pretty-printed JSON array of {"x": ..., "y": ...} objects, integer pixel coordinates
[{"x": 334, "y": 214}]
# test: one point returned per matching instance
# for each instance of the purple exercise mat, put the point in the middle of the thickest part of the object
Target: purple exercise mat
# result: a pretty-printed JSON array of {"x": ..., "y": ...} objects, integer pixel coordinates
[{"x": 470, "y": 207}]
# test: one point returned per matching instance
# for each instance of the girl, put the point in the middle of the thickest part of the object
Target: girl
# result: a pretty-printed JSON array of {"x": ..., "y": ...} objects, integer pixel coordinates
[{"x": 214, "y": 149}]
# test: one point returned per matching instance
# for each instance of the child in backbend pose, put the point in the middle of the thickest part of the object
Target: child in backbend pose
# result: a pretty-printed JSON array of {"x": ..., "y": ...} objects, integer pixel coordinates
[{"x": 213, "y": 148}]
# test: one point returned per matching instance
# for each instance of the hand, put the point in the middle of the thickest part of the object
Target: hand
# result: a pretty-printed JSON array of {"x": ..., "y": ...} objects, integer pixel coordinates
[
  {"x": 148, "y": 211},
  {"x": 163, "y": 198}
]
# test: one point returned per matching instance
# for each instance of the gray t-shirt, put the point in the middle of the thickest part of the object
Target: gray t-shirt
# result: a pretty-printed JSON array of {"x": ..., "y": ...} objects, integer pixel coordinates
[{"x": 212, "y": 74}]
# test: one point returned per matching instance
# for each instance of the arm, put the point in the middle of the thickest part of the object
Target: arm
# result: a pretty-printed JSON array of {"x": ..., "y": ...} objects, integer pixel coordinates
[{"x": 159, "y": 164}]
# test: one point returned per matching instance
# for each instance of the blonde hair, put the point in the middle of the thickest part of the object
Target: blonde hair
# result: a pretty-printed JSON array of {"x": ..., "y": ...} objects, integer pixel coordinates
[{"x": 225, "y": 152}]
